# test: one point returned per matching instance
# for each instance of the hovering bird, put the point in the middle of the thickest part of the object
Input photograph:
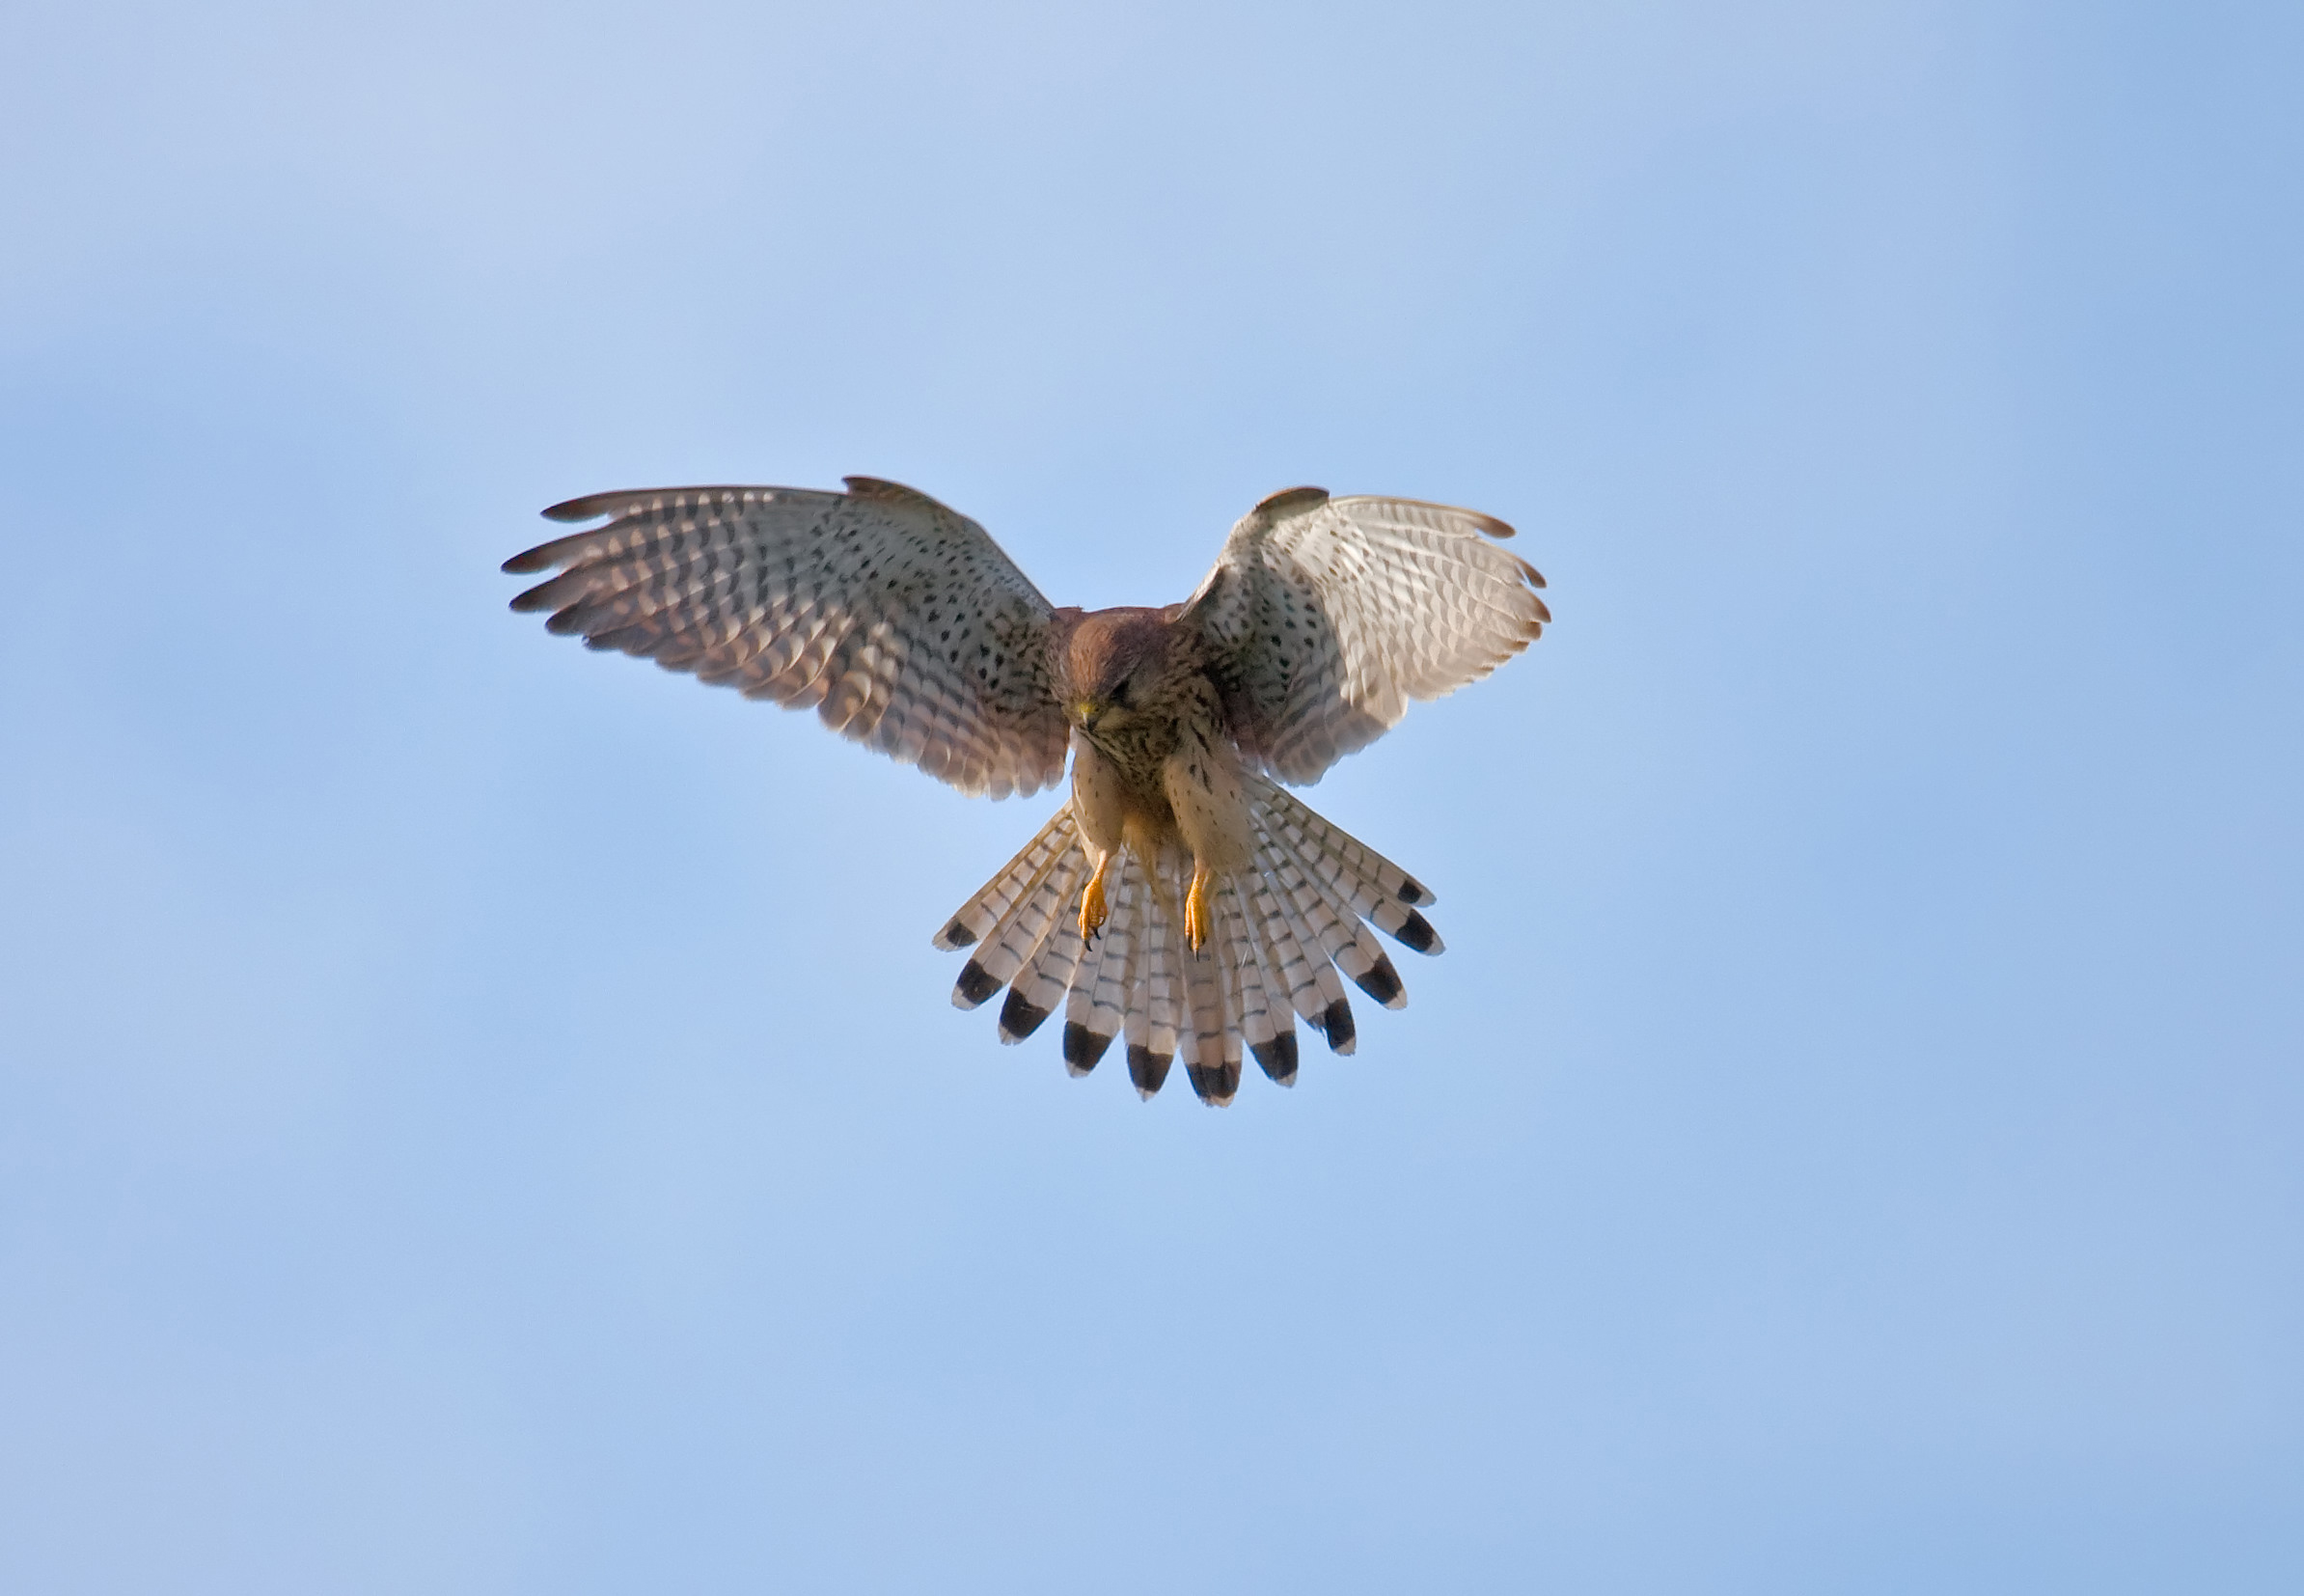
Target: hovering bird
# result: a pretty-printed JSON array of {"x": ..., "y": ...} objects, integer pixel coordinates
[{"x": 1180, "y": 897}]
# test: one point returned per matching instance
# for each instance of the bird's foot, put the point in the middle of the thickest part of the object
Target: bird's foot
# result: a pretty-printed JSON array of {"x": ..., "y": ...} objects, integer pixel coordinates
[
  {"x": 1196, "y": 907},
  {"x": 1092, "y": 912}
]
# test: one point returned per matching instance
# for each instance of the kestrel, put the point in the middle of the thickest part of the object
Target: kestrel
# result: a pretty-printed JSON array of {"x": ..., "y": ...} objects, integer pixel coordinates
[{"x": 1180, "y": 896}]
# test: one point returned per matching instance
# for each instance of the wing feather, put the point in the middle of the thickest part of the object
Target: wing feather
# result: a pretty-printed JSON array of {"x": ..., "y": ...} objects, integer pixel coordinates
[
  {"x": 897, "y": 619},
  {"x": 1323, "y": 618}
]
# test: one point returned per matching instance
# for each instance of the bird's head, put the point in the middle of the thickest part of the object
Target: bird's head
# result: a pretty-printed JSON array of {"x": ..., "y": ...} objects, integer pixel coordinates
[{"x": 1109, "y": 669}]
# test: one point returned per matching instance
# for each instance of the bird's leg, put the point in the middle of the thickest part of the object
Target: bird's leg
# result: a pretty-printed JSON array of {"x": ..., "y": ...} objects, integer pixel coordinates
[
  {"x": 1196, "y": 906},
  {"x": 1091, "y": 900}
]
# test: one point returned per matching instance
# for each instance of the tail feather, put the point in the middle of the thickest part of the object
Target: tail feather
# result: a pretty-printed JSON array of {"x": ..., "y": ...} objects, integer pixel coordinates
[
  {"x": 1247, "y": 1010},
  {"x": 1292, "y": 979},
  {"x": 989, "y": 901},
  {"x": 1358, "y": 879},
  {"x": 1211, "y": 1035},
  {"x": 1163, "y": 997},
  {"x": 1245, "y": 989},
  {"x": 1285, "y": 934},
  {"x": 1039, "y": 987},
  {"x": 1314, "y": 992},
  {"x": 1152, "y": 1003},
  {"x": 1018, "y": 933},
  {"x": 1339, "y": 932},
  {"x": 1097, "y": 1009},
  {"x": 1337, "y": 936},
  {"x": 1379, "y": 875},
  {"x": 1269, "y": 1030}
]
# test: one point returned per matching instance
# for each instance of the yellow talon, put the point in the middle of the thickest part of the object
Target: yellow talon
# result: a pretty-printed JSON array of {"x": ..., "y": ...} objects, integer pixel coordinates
[
  {"x": 1195, "y": 908},
  {"x": 1091, "y": 902}
]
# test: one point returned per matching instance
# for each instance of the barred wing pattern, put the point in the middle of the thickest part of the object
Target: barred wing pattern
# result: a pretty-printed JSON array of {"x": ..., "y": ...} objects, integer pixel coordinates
[
  {"x": 899, "y": 619},
  {"x": 1324, "y": 617}
]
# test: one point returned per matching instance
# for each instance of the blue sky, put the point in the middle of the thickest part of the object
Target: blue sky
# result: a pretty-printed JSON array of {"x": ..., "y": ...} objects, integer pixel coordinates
[{"x": 484, "y": 1118}]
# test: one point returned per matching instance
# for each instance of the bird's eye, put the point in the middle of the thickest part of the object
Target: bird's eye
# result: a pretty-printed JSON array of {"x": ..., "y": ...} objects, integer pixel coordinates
[{"x": 1121, "y": 698}]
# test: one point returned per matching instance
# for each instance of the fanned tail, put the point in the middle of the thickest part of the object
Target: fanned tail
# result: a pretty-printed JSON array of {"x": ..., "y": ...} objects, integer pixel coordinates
[{"x": 1285, "y": 934}]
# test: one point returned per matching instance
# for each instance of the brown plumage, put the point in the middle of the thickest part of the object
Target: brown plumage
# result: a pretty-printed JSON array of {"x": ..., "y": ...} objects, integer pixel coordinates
[{"x": 1180, "y": 898}]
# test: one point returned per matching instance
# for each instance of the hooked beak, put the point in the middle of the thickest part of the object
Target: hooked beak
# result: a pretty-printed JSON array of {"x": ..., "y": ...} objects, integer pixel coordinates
[{"x": 1087, "y": 712}]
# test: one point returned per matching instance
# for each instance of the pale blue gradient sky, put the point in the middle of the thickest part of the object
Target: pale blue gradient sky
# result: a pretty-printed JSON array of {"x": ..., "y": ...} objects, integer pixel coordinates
[{"x": 481, "y": 1117}]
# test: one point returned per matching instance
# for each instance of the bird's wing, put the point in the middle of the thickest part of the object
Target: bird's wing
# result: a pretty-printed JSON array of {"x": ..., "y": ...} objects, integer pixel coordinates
[
  {"x": 899, "y": 619},
  {"x": 1323, "y": 617}
]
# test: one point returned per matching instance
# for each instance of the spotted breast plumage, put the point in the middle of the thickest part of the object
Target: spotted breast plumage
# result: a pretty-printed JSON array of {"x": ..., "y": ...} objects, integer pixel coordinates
[{"x": 1180, "y": 898}]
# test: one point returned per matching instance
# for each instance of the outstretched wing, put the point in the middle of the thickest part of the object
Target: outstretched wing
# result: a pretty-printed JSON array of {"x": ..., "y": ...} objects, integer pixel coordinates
[
  {"x": 1323, "y": 617},
  {"x": 899, "y": 619}
]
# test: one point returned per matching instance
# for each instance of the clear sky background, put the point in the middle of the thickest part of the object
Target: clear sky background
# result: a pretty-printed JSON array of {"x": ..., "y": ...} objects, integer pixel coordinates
[{"x": 477, "y": 1117}]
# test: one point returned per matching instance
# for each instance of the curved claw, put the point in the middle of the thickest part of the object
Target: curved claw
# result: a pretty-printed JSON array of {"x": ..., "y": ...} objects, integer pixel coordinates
[
  {"x": 1092, "y": 911},
  {"x": 1196, "y": 925}
]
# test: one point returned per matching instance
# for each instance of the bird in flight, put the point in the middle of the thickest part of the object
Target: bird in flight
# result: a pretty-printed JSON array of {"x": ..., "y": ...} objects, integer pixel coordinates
[{"x": 1181, "y": 897}]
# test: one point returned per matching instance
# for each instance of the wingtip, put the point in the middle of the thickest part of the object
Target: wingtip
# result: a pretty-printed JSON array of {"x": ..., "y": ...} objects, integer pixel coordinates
[
  {"x": 886, "y": 491},
  {"x": 586, "y": 509},
  {"x": 1290, "y": 501}
]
